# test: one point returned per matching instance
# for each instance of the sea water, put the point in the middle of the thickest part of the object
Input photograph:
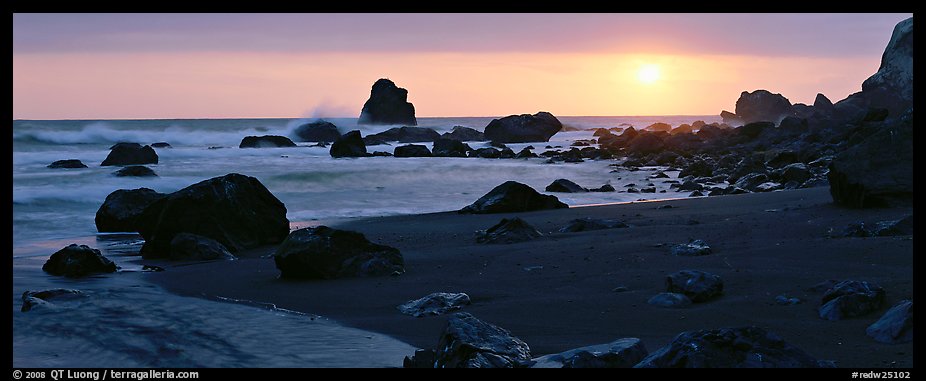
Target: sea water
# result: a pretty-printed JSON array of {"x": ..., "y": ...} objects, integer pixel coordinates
[{"x": 126, "y": 321}]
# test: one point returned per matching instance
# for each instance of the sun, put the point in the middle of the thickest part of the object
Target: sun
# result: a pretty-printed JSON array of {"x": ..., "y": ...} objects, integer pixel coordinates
[{"x": 648, "y": 74}]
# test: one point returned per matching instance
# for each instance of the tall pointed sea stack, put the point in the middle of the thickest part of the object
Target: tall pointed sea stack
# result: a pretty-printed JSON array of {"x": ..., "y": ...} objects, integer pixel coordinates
[{"x": 388, "y": 104}]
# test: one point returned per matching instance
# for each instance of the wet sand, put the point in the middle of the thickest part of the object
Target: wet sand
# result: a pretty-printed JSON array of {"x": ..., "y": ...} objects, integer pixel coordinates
[{"x": 764, "y": 245}]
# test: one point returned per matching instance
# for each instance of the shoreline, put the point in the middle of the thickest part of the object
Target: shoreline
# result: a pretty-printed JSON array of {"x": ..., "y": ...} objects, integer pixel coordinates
[{"x": 569, "y": 302}]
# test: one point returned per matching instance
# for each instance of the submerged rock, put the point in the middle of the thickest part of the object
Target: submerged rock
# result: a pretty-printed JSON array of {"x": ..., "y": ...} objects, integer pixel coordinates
[
  {"x": 699, "y": 286},
  {"x": 512, "y": 196},
  {"x": 895, "y": 326},
  {"x": 135, "y": 171},
  {"x": 587, "y": 224},
  {"x": 235, "y": 210},
  {"x": 33, "y": 299},
  {"x": 523, "y": 128},
  {"x": 69, "y": 163},
  {"x": 130, "y": 154},
  {"x": 76, "y": 261},
  {"x": 508, "y": 231},
  {"x": 743, "y": 347},
  {"x": 621, "y": 353},
  {"x": 388, "y": 104},
  {"x": 694, "y": 248},
  {"x": 565, "y": 186},
  {"x": 437, "y": 303},
  {"x": 325, "y": 253},
  {"x": 412, "y": 150},
  {"x": 266, "y": 141},
  {"x": 850, "y": 298},
  {"x": 349, "y": 145},
  {"x": 122, "y": 208},
  {"x": 188, "y": 246},
  {"x": 317, "y": 131},
  {"x": 468, "y": 342}
]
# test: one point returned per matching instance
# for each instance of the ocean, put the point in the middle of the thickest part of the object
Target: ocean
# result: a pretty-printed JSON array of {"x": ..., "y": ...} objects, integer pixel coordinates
[{"x": 128, "y": 322}]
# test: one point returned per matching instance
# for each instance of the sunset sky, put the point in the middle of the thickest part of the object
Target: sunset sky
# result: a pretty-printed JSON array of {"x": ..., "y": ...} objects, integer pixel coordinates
[{"x": 101, "y": 66}]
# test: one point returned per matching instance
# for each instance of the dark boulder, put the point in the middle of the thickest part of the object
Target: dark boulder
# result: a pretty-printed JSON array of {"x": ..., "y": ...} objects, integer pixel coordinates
[
  {"x": 892, "y": 86},
  {"x": 235, "y": 210},
  {"x": 512, "y": 196},
  {"x": 523, "y": 128},
  {"x": 130, "y": 154},
  {"x": 135, "y": 171},
  {"x": 669, "y": 300},
  {"x": 33, "y": 299},
  {"x": 903, "y": 226},
  {"x": 694, "y": 248},
  {"x": 407, "y": 135},
  {"x": 792, "y": 126},
  {"x": 464, "y": 134},
  {"x": 822, "y": 104},
  {"x": 751, "y": 182},
  {"x": 683, "y": 128},
  {"x": 381, "y": 153},
  {"x": 349, "y": 145},
  {"x": 762, "y": 106},
  {"x": 444, "y": 147},
  {"x": 697, "y": 168},
  {"x": 564, "y": 186},
  {"x": 795, "y": 172},
  {"x": 603, "y": 188},
  {"x": 76, "y": 261},
  {"x": 317, "y": 131},
  {"x": 506, "y": 153},
  {"x": 508, "y": 231},
  {"x": 388, "y": 104},
  {"x": 621, "y": 353},
  {"x": 697, "y": 285},
  {"x": 325, "y": 253},
  {"x": 423, "y": 358},
  {"x": 743, "y": 347},
  {"x": 186, "y": 246},
  {"x": 782, "y": 159},
  {"x": 850, "y": 298},
  {"x": 710, "y": 132},
  {"x": 753, "y": 130},
  {"x": 658, "y": 126},
  {"x": 587, "y": 224},
  {"x": 645, "y": 144},
  {"x": 878, "y": 171},
  {"x": 69, "y": 163},
  {"x": 525, "y": 154},
  {"x": 468, "y": 342},
  {"x": 486, "y": 153},
  {"x": 895, "y": 326},
  {"x": 437, "y": 303},
  {"x": 412, "y": 150},
  {"x": 266, "y": 141},
  {"x": 122, "y": 208}
]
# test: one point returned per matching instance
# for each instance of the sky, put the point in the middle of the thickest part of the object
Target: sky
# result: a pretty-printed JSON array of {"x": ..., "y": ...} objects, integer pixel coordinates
[{"x": 139, "y": 66}]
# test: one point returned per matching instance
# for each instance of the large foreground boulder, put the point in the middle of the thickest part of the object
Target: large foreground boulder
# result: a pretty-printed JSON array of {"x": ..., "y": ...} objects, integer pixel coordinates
[
  {"x": 850, "y": 298},
  {"x": 122, "y": 208},
  {"x": 621, "y": 353},
  {"x": 406, "y": 135},
  {"x": 76, "y": 261},
  {"x": 235, "y": 210},
  {"x": 437, "y": 303},
  {"x": 512, "y": 196},
  {"x": 130, "y": 154},
  {"x": 523, "y": 128},
  {"x": 762, "y": 106},
  {"x": 325, "y": 253},
  {"x": 317, "y": 131},
  {"x": 266, "y": 141},
  {"x": 896, "y": 326},
  {"x": 892, "y": 86},
  {"x": 878, "y": 171},
  {"x": 744, "y": 347},
  {"x": 508, "y": 231},
  {"x": 468, "y": 342},
  {"x": 349, "y": 145},
  {"x": 388, "y": 104}
]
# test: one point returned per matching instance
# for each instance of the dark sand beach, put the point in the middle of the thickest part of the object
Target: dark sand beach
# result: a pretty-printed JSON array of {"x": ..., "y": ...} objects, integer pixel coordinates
[{"x": 556, "y": 293}]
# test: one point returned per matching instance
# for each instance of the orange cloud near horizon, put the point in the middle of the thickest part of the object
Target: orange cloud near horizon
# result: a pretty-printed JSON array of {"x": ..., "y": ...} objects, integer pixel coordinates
[{"x": 243, "y": 85}]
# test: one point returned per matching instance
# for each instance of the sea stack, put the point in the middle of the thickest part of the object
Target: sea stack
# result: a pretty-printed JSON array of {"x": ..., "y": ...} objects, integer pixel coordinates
[{"x": 388, "y": 104}]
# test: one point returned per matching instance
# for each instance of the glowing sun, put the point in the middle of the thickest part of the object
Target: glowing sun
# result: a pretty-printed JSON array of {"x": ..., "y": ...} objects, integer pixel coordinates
[{"x": 648, "y": 74}]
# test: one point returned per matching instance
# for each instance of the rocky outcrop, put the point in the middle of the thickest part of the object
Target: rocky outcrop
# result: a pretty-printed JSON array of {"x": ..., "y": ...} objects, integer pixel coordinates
[
  {"x": 437, "y": 303},
  {"x": 512, "y": 196},
  {"x": 235, "y": 210},
  {"x": 317, "y": 131},
  {"x": 186, "y": 246},
  {"x": 464, "y": 134},
  {"x": 68, "y": 163},
  {"x": 450, "y": 148},
  {"x": 523, "y": 128},
  {"x": 405, "y": 135},
  {"x": 877, "y": 171},
  {"x": 895, "y": 326},
  {"x": 564, "y": 186},
  {"x": 412, "y": 150},
  {"x": 762, "y": 106},
  {"x": 850, "y": 298},
  {"x": 135, "y": 171},
  {"x": 325, "y": 253},
  {"x": 349, "y": 145},
  {"x": 743, "y": 347},
  {"x": 621, "y": 353},
  {"x": 658, "y": 126},
  {"x": 468, "y": 342},
  {"x": 266, "y": 141},
  {"x": 388, "y": 104},
  {"x": 508, "y": 231},
  {"x": 892, "y": 86},
  {"x": 122, "y": 208},
  {"x": 699, "y": 286},
  {"x": 130, "y": 154},
  {"x": 76, "y": 261}
]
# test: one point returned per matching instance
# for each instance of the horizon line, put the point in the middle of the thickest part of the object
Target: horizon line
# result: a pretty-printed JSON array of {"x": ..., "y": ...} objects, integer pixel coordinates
[{"x": 348, "y": 117}]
